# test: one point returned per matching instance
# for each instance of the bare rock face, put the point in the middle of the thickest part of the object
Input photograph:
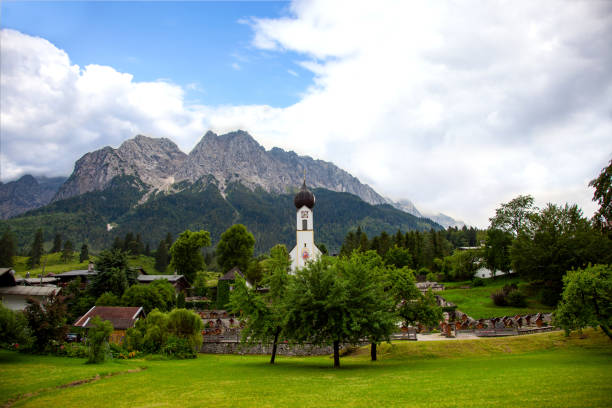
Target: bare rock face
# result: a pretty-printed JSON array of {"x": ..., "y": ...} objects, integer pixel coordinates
[
  {"x": 27, "y": 193},
  {"x": 154, "y": 161},
  {"x": 233, "y": 157},
  {"x": 236, "y": 156}
]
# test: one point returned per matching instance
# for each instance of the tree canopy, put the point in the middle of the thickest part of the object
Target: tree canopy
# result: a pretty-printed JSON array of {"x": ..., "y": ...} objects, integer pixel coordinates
[
  {"x": 603, "y": 196},
  {"x": 235, "y": 248},
  {"x": 187, "y": 259},
  {"x": 514, "y": 216},
  {"x": 586, "y": 299}
]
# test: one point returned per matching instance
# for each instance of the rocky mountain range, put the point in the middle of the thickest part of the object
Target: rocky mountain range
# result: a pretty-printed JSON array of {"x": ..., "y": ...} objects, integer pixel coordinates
[
  {"x": 161, "y": 167},
  {"x": 232, "y": 157},
  {"x": 27, "y": 193}
]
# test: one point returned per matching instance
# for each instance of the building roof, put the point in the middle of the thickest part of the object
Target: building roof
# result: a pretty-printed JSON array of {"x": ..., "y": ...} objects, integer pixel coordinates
[
  {"x": 151, "y": 278},
  {"x": 231, "y": 274},
  {"x": 304, "y": 197},
  {"x": 120, "y": 317},
  {"x": 81, "y": 272},
  {"x": 37, "y": 281},
  {"x": 29, "y": 290}
]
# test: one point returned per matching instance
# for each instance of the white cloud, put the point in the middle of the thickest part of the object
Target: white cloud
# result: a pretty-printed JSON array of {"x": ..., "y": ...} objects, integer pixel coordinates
[
  {"x": 54, "y": 111},
  {"x": 458, "y": 107}
]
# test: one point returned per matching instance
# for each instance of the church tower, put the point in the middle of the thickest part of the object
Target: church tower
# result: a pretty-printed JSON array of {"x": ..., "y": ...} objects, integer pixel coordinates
[{"x": 305, "y": 250}]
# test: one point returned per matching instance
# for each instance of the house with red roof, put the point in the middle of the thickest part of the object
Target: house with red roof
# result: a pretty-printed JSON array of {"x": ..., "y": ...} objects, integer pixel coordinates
[{"x": 122, "y": 318}]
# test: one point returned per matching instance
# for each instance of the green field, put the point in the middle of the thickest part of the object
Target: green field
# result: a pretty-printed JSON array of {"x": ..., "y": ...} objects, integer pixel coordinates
[
  {"x": 55, "y": 265},
  {"x": 477, "y": 302},
  {"x": 544, "y": 370}
]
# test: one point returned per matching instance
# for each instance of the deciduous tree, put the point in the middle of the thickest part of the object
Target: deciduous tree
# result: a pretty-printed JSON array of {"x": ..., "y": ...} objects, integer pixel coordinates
[
  {"x": 263, "y": 314},
  {"x": 603, "y": 196},
  {"x": 586, "y": 299},
  {"x": 186, "y": 253},
  {"x": 514, "y": 216},
  {"x": 235, "y": 248}
]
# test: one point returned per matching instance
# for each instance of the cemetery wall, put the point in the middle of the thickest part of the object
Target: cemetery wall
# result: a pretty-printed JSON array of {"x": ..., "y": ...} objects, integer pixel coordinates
[{"x": 283, "y": 349}]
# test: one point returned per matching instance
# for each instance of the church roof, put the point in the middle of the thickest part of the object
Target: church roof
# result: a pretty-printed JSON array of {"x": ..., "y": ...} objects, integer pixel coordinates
[{"x": 304, "y": 197}]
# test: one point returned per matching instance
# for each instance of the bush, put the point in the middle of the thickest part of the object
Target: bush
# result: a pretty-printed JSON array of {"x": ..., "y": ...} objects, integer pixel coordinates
[
  {"x": 499, "y": 298},
  {"x": 133, "y": 339},
  {"x": 13, "y": 329},
  {"x": 549, "y": 296},
  {"x": 516, "y": 298},
  {"x": 509, "y": 288},
  {"x": 186, "y": 324},
  {"x": 477, "y": 281},
  {"x": 179, "y": 348},
  {"x": 78, "y": 350},
  {"x": 97, "y": 340}
]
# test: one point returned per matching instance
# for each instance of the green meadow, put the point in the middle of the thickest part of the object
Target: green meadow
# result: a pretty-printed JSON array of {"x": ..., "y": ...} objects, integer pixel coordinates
[
  {"x": 477, "y": 302},
  {"x": 544, "y": 370},
  {"x": 52, "y": 263}
]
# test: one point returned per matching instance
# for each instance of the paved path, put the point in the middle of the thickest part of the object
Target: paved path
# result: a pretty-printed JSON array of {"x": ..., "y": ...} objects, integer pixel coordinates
[{"x": 463, "y": 336}]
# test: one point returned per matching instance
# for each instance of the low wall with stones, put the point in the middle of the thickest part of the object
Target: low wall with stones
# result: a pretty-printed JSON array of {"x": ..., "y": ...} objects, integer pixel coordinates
[{"x": 283, "y": 349}]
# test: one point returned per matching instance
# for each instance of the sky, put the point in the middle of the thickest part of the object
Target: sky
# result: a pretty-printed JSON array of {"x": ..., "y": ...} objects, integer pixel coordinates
[{"x": 456, "y": 106}]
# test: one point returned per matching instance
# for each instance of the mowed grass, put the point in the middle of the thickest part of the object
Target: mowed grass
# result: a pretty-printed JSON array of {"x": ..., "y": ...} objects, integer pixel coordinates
[
  {"x": 544, "y": 370},
  {"x": 477, "y": 302}
]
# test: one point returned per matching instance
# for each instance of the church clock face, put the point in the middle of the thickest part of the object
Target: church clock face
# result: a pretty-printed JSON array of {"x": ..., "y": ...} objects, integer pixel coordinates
[
  {"x": 304, "y": 214},
  {"x": 305, "y": 254}
]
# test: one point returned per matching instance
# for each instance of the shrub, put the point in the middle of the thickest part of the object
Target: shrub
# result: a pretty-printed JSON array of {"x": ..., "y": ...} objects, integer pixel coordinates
[
  {"x": 108, "y": 299},
  {"x": 509, "y": 288},
  {"x": 186, "y": 324},
  {"x": 180, "y": 301},
  {"x": 13, "y": 329},
  {"x": 97, "y": 340},
  {"x": 516, "y": 298},
  {"x": 179, "y": 348},
  {"x": 477, "y": 281},
  {"x": 78, "y": 350},
  {"x": 549, "y": 296},
  {"x": 47, "y": 321},
  {"x": 499, "y": 298},
  {"x": 133, "y": 339}
]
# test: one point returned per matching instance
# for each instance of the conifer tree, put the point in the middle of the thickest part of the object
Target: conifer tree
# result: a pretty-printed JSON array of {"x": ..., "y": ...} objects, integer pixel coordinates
[
  {"x": 7, "y": 249},
  {"x": 161, "y": 257},
  {"x": 68, "y": 251},
  {"x": 57, "y": 244},
  {"x": 84, "y": 255},
  {"x": 36, "y": 250}
]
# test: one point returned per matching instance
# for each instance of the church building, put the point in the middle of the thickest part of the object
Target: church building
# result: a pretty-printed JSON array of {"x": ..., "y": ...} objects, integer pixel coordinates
[{"x": 305, "y": 250}]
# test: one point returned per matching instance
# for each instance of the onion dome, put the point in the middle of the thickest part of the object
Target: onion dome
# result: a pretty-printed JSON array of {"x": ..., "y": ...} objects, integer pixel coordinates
[{"x": 304, "y": 197}]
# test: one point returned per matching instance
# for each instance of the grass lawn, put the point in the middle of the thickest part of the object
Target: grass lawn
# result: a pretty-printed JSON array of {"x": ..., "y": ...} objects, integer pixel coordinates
[
  {"x": 477, "y": 302},
  {"x": 56, "y": 265},
  {"x": 544, "y": 370}
]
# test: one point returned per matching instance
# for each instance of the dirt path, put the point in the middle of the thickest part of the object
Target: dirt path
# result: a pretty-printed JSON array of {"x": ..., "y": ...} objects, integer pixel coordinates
[{"x": 76, "y": 383}]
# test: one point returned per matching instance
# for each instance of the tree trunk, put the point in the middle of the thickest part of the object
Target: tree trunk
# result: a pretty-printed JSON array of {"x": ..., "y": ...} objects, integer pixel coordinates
[
  {"x": 606, "y": 330},
  {"x": 373, "y": 351},
  {"x": 336, "y": 354},
  {"x": 278, "y": 329}
]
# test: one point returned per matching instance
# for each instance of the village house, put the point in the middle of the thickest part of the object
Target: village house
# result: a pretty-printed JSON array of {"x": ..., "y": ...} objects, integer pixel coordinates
[
  {"x": 179, "y": 282},
  {"x": 15, "y": 296},
  {"x": 122, "y": 318}
]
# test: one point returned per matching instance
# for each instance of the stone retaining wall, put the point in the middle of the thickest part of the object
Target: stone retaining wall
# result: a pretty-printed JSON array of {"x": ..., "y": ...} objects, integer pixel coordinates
[{"x": 232, "y": 347}]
